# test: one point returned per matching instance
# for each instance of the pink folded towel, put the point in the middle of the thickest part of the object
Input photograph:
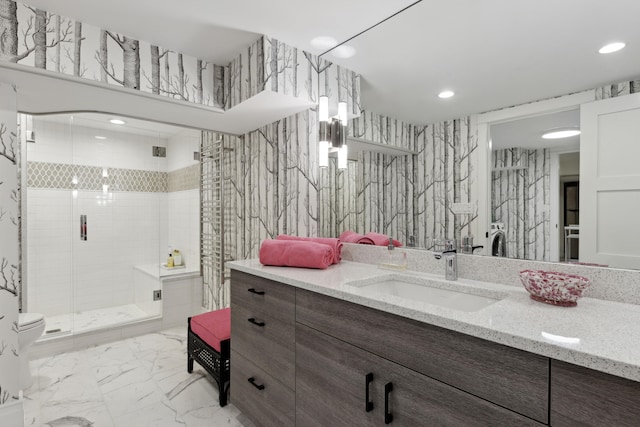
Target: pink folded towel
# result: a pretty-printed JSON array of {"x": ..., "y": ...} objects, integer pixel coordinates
[
  {"x": 291, "y": 253},
  {"x": 382, "y": 239},
  {"x": 353, "y": 237},
  {"x": 335, "y": 244}
]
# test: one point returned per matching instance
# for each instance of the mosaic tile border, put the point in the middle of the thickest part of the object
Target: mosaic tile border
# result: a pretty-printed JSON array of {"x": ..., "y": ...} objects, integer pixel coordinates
[
  {"x": 61, "y": 176},
  {"x": 187, "y": 178}
]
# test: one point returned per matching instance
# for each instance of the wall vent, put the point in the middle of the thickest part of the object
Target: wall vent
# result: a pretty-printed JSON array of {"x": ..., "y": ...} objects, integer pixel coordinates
[
  {"x": 196, "y": 156},
  {"x": 159, "y": 151}
]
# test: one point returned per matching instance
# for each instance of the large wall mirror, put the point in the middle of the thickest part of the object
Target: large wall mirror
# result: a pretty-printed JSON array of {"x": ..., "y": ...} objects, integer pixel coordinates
[{"x": 495, "y": 178}]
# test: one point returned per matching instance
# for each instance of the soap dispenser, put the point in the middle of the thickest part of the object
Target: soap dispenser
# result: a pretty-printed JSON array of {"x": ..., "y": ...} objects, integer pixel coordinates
[{"x": 397, "y": 258}]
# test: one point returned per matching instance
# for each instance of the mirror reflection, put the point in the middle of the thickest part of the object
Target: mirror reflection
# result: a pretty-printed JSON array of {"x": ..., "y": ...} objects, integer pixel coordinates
[
  {"x": 518, "y": 197},
  {"x": 535, "y": 188}
]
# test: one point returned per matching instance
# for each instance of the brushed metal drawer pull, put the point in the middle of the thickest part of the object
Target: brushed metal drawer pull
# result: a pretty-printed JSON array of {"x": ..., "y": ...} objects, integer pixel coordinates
[
  {"x": 388, "y": 388},
  {"x": 252, "y": 380},
  {"x": 253, "y": 291},
  {"x": 255, "y": 322},
  {"x": 368, "y": 379}
]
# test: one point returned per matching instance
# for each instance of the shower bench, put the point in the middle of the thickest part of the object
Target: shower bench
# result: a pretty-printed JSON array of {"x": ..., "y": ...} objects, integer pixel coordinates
[{"x": 208, "y": 343}]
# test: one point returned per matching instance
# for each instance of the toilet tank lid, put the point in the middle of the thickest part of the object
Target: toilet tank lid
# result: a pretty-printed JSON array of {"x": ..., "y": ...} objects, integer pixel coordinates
[{"x": 26, "y": 319}]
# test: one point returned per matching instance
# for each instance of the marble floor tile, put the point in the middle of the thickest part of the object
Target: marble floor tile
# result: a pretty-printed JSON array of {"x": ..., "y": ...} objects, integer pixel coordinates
[
  {"x": 140, "y": 381},
  {"x": 95, "y": 319}
]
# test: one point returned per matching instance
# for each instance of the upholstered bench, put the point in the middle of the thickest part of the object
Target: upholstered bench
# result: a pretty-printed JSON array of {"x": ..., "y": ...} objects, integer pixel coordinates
[{"x": 209, "y": 344}]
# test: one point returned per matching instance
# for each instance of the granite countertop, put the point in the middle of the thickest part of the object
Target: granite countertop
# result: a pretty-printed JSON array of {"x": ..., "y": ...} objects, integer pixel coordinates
[{"x": 598, "y": 334}]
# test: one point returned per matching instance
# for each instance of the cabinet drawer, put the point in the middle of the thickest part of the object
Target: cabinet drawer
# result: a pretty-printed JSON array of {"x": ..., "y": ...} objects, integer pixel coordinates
[
  {"x": 273, "y": 405},
  {"x": 263, "y": 295},
  {"x": 269, "y": 343},
  {"x": 331, "y": 387},
  {"x": 503, "y": 375},
  {"x": 582, "y": 396}
]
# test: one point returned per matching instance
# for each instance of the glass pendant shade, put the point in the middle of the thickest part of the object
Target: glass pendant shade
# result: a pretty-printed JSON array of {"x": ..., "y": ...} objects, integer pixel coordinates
[
  {"x": 323, "y": 109},
  {"x": 342, "y": 157},
  {"x": 323, "y": 154}
]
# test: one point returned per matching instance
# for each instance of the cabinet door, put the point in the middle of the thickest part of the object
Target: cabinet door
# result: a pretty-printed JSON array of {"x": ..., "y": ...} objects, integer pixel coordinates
[
  {"x": 331, "y": 390},
  {"x": 506, "y": 376},
  {"x": 331, "y": 381},
  {"x": 582, "y": 396}
]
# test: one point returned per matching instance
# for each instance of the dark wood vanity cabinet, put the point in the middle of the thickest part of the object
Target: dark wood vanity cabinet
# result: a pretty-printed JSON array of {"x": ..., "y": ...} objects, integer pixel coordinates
[
  {"x": 503, "y": 375},
  {"x": 306, "y": 359},
  {"x": 263, "y": 349},
  {"x": 582, "y": 396},
  {"x": 340, "y": 384}
]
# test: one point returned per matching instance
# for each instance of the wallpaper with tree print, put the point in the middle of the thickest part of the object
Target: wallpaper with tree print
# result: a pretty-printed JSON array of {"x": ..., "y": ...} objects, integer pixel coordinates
[
  {"x": 34, "y": 37},
  {"x": 520, "y": 199},
  {"x": 405, "y": 196},
  {"x": 9, "y": 249}
]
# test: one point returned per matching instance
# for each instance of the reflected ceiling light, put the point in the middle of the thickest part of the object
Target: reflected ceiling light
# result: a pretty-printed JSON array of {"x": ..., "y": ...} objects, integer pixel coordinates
[
  {"x": 559, "y": 339},
  {"x": 560, "y": 133},
  {"x": 446, "y": 94},
  {"x": 612, "y": 47},
  {"x": 324, "y": 42},
  {"x": 117, "y": 121},
  {"x": 100, "y": 137},
  {"x": 343, "y": 51}
]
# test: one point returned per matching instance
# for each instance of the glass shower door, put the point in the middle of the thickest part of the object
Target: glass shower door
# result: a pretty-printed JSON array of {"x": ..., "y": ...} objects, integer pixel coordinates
[{"x": 49, "y": 278}]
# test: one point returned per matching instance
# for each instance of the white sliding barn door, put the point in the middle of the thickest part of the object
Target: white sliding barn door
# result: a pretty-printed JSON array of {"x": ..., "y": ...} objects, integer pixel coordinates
[{"x": 610, "y": 182}]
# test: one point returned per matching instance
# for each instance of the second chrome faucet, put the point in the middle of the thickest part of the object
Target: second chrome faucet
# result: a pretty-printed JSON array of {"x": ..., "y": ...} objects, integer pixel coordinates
[{"x": 450, "y": 256}]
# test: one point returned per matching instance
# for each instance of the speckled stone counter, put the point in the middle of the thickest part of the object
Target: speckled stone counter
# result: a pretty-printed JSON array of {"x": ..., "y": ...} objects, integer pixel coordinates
[{"x": 598, "y": 334}]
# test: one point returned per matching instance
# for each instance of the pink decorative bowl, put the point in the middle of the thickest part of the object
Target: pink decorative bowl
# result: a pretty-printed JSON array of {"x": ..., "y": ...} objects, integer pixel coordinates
[{"x": 554, "y": 288}]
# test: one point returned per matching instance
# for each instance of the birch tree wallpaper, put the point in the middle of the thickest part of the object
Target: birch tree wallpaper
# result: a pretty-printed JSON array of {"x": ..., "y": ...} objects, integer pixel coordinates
[
  {"x": 618, "y": 89},
  {"x": 9, "y": 246},
  {"x": 270, "y": 65},
  {"x": 271, "y": 184},
  {"x": 405, "y": 196},
  {"x": 52, "y": 42},
  {"x": 520, "y": 198}
]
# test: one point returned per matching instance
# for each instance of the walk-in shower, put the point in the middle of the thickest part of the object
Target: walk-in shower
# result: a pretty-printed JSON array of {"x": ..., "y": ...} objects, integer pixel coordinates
[{"x": 105, "y": 203}]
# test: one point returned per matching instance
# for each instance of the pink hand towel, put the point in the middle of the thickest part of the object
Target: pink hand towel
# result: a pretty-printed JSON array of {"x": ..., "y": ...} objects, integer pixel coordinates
[
  {"x": 353, "y": 237},
  {"x": 335, "y": 244},
  {"x": 290, "y": 253},
  {"x": 382, "y": 239}
]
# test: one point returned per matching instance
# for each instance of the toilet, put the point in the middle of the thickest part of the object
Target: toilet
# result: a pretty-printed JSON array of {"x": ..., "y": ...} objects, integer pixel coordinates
[{"x": 30, "y": 328}]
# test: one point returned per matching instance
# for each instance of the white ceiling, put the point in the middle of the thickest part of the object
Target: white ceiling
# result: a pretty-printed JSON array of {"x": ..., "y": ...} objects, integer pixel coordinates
[
  {"x": 218, "y": 30},
  {"x": 527, "y": 133},
  {"x": 492, "y": 53}
]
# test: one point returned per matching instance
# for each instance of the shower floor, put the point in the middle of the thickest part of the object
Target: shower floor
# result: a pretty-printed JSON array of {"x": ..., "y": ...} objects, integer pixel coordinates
[{"x": 93, "y": 319}]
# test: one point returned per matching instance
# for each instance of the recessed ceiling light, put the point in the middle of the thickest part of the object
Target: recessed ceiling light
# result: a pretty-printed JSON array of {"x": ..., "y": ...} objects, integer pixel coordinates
[
  {"x": 561, "y": 133},
  {"x": 100, "y": 137},
  {"x": 117, "y": 121},
  {"x": 343, "y": 51},
  {"x": 446, "y": 94},
  {"x": 612, "y": 47},
  {"x": 324, "y": 42}
]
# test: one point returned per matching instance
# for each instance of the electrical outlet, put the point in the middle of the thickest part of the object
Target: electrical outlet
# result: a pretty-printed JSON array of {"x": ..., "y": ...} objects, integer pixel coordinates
[{"x": 157, "y": 295}]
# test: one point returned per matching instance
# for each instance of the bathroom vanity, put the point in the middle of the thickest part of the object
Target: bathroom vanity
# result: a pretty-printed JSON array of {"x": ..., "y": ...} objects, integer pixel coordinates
[{"x": 316, "y": 348}]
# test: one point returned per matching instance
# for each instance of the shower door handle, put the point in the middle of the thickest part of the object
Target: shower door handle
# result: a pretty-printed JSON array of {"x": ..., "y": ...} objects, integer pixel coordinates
[{"x": 83, "y": 227}]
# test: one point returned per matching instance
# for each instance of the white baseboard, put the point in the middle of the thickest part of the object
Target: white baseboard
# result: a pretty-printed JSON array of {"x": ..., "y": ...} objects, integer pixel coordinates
[{"x": 12, "y": 414}]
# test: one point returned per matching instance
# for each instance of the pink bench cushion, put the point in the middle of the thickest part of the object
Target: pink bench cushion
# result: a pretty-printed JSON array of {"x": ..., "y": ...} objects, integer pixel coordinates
[{"x": 213, "y": 327}]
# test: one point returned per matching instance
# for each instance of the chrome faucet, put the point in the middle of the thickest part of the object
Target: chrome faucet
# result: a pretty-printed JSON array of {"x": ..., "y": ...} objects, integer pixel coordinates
[{"x": 450, "y": 256}]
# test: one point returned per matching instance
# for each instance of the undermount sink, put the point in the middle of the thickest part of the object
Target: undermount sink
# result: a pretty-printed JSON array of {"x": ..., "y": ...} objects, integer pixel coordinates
[{"x": 448, "y": 295}]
